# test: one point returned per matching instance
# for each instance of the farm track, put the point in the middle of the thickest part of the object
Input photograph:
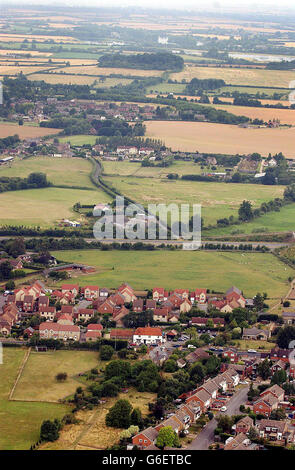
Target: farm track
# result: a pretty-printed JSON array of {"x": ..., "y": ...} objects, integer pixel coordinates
[{"x": 26, "y": 357}]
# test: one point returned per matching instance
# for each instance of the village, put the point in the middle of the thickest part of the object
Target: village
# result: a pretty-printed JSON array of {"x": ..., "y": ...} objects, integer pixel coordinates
[{"x": 180, "y": 330}]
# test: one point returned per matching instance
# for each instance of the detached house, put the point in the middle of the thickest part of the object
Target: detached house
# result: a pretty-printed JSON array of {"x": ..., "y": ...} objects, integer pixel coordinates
[
  {"x": 72, "y": 288},
  {"x": 127, "y": 292},
  {"x": 91, "y": 292},
  {"x": 148, "y": 335}
]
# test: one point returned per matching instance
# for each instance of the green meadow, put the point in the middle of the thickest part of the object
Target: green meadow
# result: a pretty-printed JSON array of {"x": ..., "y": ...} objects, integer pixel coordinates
[{"x": 183, "y": 269}]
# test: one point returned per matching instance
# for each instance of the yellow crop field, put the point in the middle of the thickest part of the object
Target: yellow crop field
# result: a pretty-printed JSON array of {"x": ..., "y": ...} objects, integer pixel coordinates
[
  {"x": 39, "y": 38},
  {"x": 64, "y": 79},
  {"x": 286, "y": 116},
  {"x": 222, "y": 138},
  {"x": 235, "y": 76},
  {"x": 15, "y": 69},
  {"x": 94, "y": 70},
  {"x": 25, "y": 132},
  {"x": 32, "y": 53}
]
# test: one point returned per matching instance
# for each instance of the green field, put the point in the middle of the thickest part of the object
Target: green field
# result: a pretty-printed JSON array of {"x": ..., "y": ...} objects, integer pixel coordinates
[
  {"x": 20, "y": 421},
  {"x": 38, "y": 382},
  {"x": 218, "y": 200},
  {"x": 59, "y": 171},
  {"x": 282, "y": 221},
  {"x": 166, "y": 88},
  {"x": 251, "y": 272},
  {"x": 44, "y": 207},
  {"x": 79, "y": 139},
  {"x": 125, "y": 168}
]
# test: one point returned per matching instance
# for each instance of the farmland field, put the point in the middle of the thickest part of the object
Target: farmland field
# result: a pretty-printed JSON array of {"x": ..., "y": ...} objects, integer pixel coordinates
[
  {"x": 243, "y": 76},
  {"x": 25, "y": 132},
  {"x": 44, "y": 207},
  {"x": 183, "y": 269},
  {"x": 59, "y": 171},
  {"x": 79, "y": 139},
  {"x": 38, "y": 383},
  {"x": 136, "y": 169},
  {"x": 21, "y": 421},
  {"x": 282, "y": 221},
  {"x": 222, "y": 138},
  {"x": 218, "y": 200},
  {"x": 63, "y": 79},
  {"x": 93, "y": 70},
  {"x": 286, "y": 116}
]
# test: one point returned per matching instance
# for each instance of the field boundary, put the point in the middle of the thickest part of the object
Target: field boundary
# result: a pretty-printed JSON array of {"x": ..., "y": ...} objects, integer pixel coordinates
[{"x": 25, "y": 359}]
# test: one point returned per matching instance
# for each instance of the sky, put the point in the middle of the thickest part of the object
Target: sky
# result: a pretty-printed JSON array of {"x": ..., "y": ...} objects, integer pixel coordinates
[{"x": 270, "y": 5}]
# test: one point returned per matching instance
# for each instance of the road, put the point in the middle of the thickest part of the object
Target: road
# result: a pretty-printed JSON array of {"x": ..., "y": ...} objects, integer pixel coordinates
[{"x": 206, "y": 436}]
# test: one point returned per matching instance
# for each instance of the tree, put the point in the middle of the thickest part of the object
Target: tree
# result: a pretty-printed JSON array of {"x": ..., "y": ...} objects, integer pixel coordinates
[
  {"x": 258, "y": 301},
  {"x": 253, "y": 433},
  {"x": 245, "y": 211},
  {"x": 285, "y": 336},
  {"x": 50, "y": 430},
  {"x": 10, "y": 285},
  {"x": 136, "y": 417},
  {"x": 264, "y": 369},
  {"x": 61, "y": 377},
  {"x": 167, "y": 437},
  {"x": 279, "y": 377},
  {"x": 170, "y": 366},
  {"x": 106, "y": 352},
  {"x": 119, "y": 415},
  {"x": 5, "y": 270}
]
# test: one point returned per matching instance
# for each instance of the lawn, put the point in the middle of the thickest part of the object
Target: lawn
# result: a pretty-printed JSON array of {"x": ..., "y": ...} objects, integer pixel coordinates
[
  {"x": 251, "y": 272},
  {"x": 218, "y": 200},
  {"x": 244, "y": 345},
  {"x": 38, "y": 382},
  {"x": 20, "y": 421},
  {"x": 222, "y": 138},
  {"x": 59, "y": 171},
  {"x": 45, "y": 207}
]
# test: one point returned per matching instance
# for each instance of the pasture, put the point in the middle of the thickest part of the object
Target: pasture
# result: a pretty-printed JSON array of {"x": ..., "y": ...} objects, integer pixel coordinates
[
  {"x": 235, "y": 76},
  {"x": 97, "y": 71},
  {"x": 183, "y": 269},
  {"x": 125, "y": 168},
  {"x": 222, "y": 138},
  {"x": 38, "y": 383},
  {"x": 21, "y": 421},
  {"x": 25, "y": 131},
  {"x": 218, "y": 200},
  {"x": 45, "y": 207},
  {"x": 59, "y": 171}
]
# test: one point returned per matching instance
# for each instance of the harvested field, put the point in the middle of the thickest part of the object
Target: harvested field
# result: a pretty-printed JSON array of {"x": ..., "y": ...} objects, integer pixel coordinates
[
  {"x": 93, "y": 70},
  {"x": 286, "y": 116},
  {"x": 222, "y": 138},
  {"x": 64, "y": 79},
  {"x": 25, "y": 69},
  {"x": 25, "y": 132},
  {"x": 235, "y": 76}
]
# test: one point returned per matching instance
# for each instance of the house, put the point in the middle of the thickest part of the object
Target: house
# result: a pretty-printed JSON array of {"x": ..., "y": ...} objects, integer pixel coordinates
[
  {"x": 85, "y": 314},
  {"x": 200, "y": 399},
  {"x": 28, "y": 304},
  {"x": 278, "y": 365},
  {"x": 65, "y": 319},
  {"x": 185, "y": 306},
  {"x": 92, "y": 333},
  {"x": 67, "y": 309},
  {"x": 119, "y": 314},
  {"x": 59, "y": 331},
  {"x": 255, "y": 334},
  {"x": 238, "y": 298},
  {"x": 124, "y": 334},
  {"x": 272, "y": 430},
  {"x": 200, "y": 295},
  {"x": 277, "y": 391},
  {"x": 148, "y": 335},
  {"x": 72, "y": 288},
  {"x": 203, "y": 321},
  {"x": 43, "y": 301},
  {"x": 127, "y": 292},
  {"x": 137, "y": 305},
  {"x": 47, "y": 312},
  {"x": 196, "y": 355},
  {"x": 211, "y": 387},
  {"x": 239, "y": 442},
  {"x": 174, "y": 422},
  {"x": 265, "y": 405},
  {"x": 282, "y": 354},
  {"x": 91, "y": 292},
  {"x": 158, "y": 294},
  {"x": 289, "y": 318},
  {"x": 244, "y": 425},
  {"x": 145, "y": 438},
  {"x": 161, "y": 314},
  {"x": 108, "y": 306},
  {"x": 231, "y": 354},
  {"x": 150, "y": 304}
]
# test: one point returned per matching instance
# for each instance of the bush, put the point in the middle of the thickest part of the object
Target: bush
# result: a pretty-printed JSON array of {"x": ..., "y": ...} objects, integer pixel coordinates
[
  {"x": 119, "y": 415},
  {"x": 106, "y": 353}
]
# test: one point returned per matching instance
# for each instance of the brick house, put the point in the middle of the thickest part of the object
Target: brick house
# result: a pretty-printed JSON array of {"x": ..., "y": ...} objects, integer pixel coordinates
[
  {"x": 91, "y": 292},
  {"x": 72, "y": 288},
  {"x": 145, "y": 438},
  {"x": 244, "y": 425},
  {"x": 231, "y": 354}
]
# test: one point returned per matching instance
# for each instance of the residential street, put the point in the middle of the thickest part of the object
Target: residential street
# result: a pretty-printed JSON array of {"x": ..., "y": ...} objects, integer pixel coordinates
[{"x": 206, "y": 436}]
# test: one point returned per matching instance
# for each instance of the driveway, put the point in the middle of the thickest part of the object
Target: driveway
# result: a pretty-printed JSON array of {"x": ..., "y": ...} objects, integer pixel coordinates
[{"x": 206, "y": 436}]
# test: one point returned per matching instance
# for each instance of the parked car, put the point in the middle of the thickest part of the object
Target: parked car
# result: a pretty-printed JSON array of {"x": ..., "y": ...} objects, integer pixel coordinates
[{"x": 223, "y": 409}]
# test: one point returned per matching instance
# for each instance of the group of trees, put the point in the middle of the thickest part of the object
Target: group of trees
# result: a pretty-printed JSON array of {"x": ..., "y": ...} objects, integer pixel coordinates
[
  {"x": 197, "y": 84},
  {"x": 153, "y": 61},
  {"x": 34, "y": 180}
]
